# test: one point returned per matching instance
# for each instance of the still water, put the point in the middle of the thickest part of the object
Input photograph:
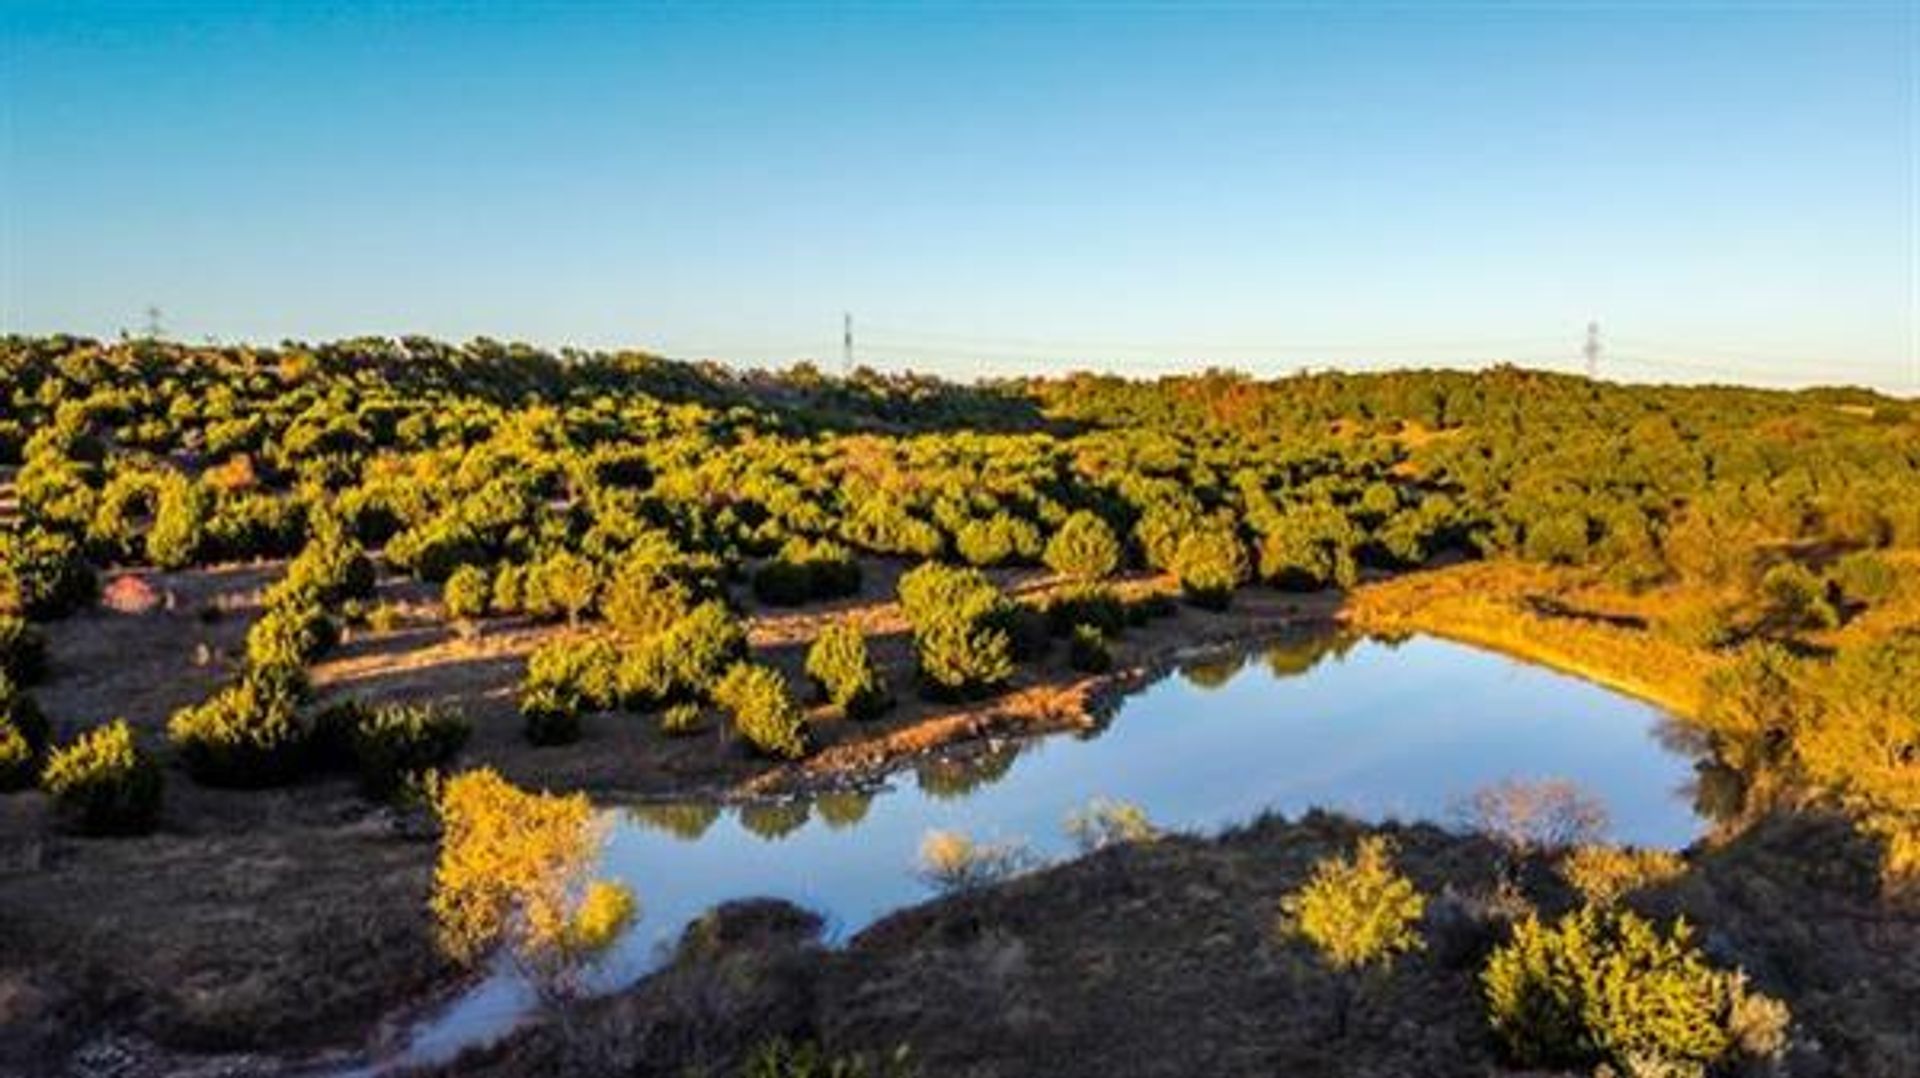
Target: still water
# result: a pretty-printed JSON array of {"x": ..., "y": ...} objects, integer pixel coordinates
[{"x": 1403, "y": 730}]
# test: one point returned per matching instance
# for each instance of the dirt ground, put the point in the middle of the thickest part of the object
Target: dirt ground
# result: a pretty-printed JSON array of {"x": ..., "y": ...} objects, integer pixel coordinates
[{"x": 292, "y": 920}]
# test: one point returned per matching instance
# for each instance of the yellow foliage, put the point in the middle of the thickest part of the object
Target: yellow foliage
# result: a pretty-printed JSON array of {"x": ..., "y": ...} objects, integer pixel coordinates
[
  {"x": 1602, "y": 874},
  {"x": 1357, "y": 911},
  {"x": 512, "y": 873}
]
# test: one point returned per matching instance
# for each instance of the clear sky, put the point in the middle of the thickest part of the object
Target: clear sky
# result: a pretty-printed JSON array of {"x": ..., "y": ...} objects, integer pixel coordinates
[{"x": 1729, "y": 189}]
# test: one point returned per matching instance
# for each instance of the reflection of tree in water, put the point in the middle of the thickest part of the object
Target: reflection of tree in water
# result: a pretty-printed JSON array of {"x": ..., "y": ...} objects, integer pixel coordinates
[
  {"x": 1296, "y": 654},
  {"x": 1719, "y": 792},
  {"x": 774, "y": 820},
  {"x": 842, "y": 809},
  {"x": 1213, "y": 672},
  {"x": 686, "y": 820},
  {"x": 948, "y": 778}
]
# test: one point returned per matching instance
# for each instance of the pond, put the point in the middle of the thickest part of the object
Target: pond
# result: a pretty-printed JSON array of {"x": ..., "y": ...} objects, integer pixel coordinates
[{"x": 1377, "y": 729}]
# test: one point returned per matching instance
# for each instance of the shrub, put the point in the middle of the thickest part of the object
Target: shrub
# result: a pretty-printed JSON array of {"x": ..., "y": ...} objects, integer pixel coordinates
[
  {"x": 569, "y": 581},
  {"x": 1088, "y": 651},
  {"x": 467, "y": 593},
  {"x": 16, "y": 758},
  {"x": 1605, "y": 874},
  {"x": 248, "y": 734},
  {"x": 780, "y": 1058},
  {"x": 997, "y": 540},
  {"x": 103, "y": 783},
  {"x": 1210, "y": 563},
  {"x": 1793, "y": 599},
  {"x": 703, "y": 644},
  {"x": 962, "y": 657},
  {"x": 1084, "y": 548},
  {"x": 844, "y": 673},
  {"x": 763, "y": 712},
  {"x": 1086, "y": 604},
  {"x": 962, "y": 628},
  {"x": 291, "y": 633},
  {"x": 23, "y": 651},
  {"x": 805, "y": 571},
  {"x": 331, "y": 568},
  {"x": 513, "y": 874},
  {"x": 642, "y": 602},
  {"x": 551, "y": 715},
  {"x": 43, "y": 574},
  {"x": 182, "y": 509},
  {"x": 395, "y": 744},
  {"x": 1357, "y": 911},
  {"x": 682, "y": 719},
  {"x": 1864, "y": 577},
  {"x": 585, "y": 670},
  {"x": 1605, "y": 986}
]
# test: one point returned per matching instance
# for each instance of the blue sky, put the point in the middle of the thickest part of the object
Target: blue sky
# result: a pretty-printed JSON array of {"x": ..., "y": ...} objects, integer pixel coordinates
[{"x": 1729, "y": 189}]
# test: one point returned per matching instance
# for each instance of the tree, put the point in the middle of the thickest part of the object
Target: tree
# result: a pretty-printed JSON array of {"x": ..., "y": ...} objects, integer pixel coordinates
[
  {"x": 1358, "y": 913},
  {"x": 513, "y": 875},
  {"x": 571, "y": 582},
  {"x": 1084, "y": 548},
  {"x": 1210, "y": 563}
]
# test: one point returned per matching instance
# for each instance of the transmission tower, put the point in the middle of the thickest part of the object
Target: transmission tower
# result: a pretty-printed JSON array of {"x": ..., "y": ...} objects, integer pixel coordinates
[
  {"x": 1592, "y": 351},
  {"x": 846, "y": 344},
  {"x": 153, "y": 329}
]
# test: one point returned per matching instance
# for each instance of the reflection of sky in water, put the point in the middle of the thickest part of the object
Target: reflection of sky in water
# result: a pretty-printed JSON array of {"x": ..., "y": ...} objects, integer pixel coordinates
[{"x": 1373, "y": 729}]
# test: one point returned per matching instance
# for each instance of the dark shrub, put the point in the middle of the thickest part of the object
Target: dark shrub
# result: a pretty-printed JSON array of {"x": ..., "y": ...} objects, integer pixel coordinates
[
  {"x": 395, "y": 744},
  {"x": 805, "y": 571},
  {"x": 551, "y": 714},
  {"x": 23, "y": 651},
  {"x": 1210, "y": 562},
  {"x": 1088, "y": 650},
  {"x": 103, "y": 783},
  {"x": 247, "y": 735}
]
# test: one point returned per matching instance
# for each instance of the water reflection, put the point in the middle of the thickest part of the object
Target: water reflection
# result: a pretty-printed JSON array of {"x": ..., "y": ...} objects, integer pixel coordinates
[{"x": 1403, "y": 729}]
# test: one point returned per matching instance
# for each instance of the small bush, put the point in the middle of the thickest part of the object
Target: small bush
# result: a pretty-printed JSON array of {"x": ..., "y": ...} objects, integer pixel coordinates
[
  {"x": 844, "y": 673},
  {"x": 1210, "y": 563},
  {"x": 1604, "y": 986},
  {"x": 468, "y": 593},
  {"x": 1086, "y": 604},
  {"x": 103, "y": 783},
  {"x": 292, "y": 632},
  {"x": 962, "y": 629},
  {"x": 398, "y": 743},
  {"x": 1357, "y": 911},
  {"x": 551, "y": 715},
  {"x": 23, "y": 651},
  {"x": 762, "y": 710},
  {"x": 807, "y": 571},
  {"x": 588, "y": 671},
  {"x": 642, "y": 602},
  {"x": 1088, "y": 652},
  {"x": 1793, "y": 599},
  {"x": 1084, "y": 548},
  {"x": 780, "y": 1058},
  {"x": 681, "y": 720},
  {"x": 16, "y": 758},
  {"x": 246, "y": 735},
  {"x": 1605, "y": 874},
  {"x": 1864, "y": 577}
]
